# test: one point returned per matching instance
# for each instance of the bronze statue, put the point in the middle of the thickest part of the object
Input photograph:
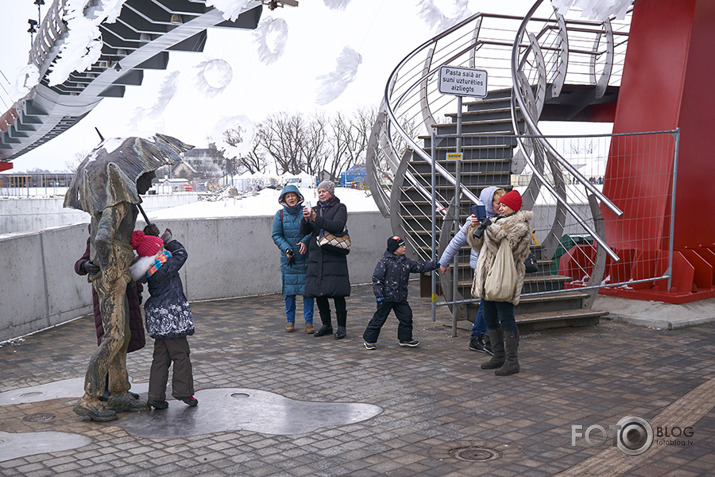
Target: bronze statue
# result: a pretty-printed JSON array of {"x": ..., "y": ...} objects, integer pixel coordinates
[{"x": 107, "y": 186}]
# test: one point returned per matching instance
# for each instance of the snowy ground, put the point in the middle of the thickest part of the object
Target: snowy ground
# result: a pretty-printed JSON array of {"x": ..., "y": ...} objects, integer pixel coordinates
[{"x": 264, "y": 203}]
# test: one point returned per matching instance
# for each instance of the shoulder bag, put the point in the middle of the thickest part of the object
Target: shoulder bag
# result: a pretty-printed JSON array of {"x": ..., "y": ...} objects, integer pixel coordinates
[
  {"x": 500, "y": 281},
  {"x": 336, "y": 243}
]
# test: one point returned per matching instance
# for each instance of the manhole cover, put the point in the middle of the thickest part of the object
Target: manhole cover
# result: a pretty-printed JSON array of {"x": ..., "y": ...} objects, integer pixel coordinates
[
  {"x": 39, "y": 418},
  {"x": 474, "y": 454}
]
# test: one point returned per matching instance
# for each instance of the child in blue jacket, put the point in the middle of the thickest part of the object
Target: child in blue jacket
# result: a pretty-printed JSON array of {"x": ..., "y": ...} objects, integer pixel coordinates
[{"x": 389, "y": 283}]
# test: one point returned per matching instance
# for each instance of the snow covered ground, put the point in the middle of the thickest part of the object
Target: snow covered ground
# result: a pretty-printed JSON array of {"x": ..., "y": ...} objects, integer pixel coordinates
[{"x": 264, "y": 203}]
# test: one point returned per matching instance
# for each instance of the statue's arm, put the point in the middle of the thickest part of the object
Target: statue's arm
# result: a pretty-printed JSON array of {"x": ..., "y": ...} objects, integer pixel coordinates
[{"x": 107, "y": 228}]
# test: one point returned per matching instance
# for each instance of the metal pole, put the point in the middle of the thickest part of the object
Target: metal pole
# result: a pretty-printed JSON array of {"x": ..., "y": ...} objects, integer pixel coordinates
[
  {"x": 435, "y": 273},
  {"x": 672, "y": 209},
  {"x": 457, "y": 222}
]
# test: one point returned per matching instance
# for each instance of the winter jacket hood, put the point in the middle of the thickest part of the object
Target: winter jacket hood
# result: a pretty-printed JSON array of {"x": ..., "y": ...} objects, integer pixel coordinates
[
  {"x": 460, "y": 238},
  {"x": 486, "y": 197},
  {"x": 288, "y": 189}
]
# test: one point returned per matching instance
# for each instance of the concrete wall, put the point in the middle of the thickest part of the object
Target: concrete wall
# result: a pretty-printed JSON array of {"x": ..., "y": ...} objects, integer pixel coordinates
[
  {"x": 28, "y": 214},
  {"x": 228, "y": 257}
]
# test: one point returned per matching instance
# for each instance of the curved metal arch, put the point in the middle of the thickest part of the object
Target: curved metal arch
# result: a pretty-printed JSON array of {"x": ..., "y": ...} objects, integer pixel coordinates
[
  {"x": 378, "y": 193},
  {"x": 602, "y": 81},
  {"x": 426, "y": 110},
  {"x": 562, "y": 57}
]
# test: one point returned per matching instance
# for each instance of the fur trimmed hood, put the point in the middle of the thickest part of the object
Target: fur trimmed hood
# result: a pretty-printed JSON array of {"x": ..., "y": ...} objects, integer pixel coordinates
[{"x": 140, "y": 267}]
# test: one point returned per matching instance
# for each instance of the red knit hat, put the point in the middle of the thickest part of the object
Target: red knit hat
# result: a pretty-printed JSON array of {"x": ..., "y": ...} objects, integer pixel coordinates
[
  {"x": 512, "y": 200},
  {"x": 145, "y": 245}
]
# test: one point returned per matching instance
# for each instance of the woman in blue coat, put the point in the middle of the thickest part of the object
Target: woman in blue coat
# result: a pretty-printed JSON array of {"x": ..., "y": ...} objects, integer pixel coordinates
[{"x": 294, "y": 255}]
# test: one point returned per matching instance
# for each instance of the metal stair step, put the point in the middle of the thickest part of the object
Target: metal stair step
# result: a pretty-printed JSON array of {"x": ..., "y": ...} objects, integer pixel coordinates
[{"x": 558, "y": 319}]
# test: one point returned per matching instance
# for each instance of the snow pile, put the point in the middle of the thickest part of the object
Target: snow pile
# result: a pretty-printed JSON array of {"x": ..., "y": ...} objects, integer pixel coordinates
[{"x": 264, "y": 203}]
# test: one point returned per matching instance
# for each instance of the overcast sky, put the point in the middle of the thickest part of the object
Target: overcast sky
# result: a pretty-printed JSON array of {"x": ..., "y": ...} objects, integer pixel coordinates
[{"x": 381, "y": 32}]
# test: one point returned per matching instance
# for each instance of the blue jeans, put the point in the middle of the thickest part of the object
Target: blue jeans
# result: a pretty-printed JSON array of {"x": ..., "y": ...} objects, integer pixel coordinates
[
  {"x": 480, "y": 326},
  {"x": 307, "y": 309},
  {"x": 496, "y": 312}
]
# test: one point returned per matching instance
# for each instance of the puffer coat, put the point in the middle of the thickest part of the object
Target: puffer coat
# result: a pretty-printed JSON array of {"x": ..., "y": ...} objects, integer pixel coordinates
[
  {"x": 515, "y": 229},
  {"x": 327, "y": 274},
  {"x": 286, "y": 235},
  {"x": 392, "y": 275},
  {"x": 167, "y": 311}
]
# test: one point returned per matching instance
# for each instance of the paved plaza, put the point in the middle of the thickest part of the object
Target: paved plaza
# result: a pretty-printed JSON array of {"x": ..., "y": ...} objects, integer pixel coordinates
[{"x": 274, "y": 403}]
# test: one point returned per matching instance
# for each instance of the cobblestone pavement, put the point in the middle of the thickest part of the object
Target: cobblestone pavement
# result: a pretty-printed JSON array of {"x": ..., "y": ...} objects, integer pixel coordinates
[{"x": 439, "y": 409}]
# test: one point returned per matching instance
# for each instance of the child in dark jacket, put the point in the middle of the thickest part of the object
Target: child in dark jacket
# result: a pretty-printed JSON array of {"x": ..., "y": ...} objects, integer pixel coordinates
[
  {"x": 389, "y": 282},
  {"x": 168, "y": 316}
]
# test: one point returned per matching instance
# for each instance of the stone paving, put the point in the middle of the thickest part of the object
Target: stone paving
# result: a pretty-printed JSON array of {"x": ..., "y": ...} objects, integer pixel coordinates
[{"x": 439, "y": 409}]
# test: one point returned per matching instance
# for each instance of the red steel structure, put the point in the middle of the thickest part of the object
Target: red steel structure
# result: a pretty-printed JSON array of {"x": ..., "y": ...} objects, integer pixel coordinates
[{"x": 666, "y": 85}]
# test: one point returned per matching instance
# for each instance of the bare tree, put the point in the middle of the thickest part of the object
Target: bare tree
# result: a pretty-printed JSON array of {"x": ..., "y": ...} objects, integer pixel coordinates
[
  {"x": 254, "y": 160},
  {"x": 71, "y": 166},
  {"x": 314, "y": 145},
  {"x": 348, "y": 140},
  {"x": 281, "y": 136}
]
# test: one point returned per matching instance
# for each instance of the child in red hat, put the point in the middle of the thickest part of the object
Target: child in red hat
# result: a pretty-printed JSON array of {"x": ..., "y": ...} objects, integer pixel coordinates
[{"x": 168, "y": 316}]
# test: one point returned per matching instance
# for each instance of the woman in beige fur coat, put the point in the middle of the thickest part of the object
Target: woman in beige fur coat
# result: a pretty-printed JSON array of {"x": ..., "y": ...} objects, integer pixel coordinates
[{"x": 512, "y": 225}]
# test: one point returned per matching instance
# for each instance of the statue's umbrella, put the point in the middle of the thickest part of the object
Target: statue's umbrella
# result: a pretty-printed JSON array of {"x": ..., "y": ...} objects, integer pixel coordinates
[{"x": 108, "y": 175}]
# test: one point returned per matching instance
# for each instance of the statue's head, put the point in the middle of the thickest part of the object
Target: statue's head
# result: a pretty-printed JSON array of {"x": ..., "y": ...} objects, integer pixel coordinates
[{"x": 144, "y": 182}]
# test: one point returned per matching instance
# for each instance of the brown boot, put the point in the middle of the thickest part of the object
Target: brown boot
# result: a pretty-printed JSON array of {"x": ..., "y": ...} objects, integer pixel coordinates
[
  {"x": 511, "y": 364},
  {"x": 290, "y": 327},
  {"x": 309, "y": 328},
  {"x": 496, "y": 336}
]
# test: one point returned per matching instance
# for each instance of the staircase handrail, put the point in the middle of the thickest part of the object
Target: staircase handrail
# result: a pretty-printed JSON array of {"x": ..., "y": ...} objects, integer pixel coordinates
[{"x": 535, "y": 133}]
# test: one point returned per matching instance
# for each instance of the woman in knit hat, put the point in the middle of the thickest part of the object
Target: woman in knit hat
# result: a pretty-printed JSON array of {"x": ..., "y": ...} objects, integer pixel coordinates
[
  {"x": 168, "y": 316},
  {"x": 327, "y": 275},
  {"x": 511, "y": 225}
]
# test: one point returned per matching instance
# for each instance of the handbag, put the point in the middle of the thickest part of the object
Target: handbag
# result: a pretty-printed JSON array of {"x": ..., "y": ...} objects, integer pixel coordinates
[
  {"x": 530, "y": 264},
  {"x": 500, "y": 283},
  {"x": 337, "y": 243}
]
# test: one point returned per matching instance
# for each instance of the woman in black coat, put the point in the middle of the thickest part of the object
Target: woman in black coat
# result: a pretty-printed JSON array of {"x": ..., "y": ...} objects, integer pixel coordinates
[{"x": 327, "y": 275}]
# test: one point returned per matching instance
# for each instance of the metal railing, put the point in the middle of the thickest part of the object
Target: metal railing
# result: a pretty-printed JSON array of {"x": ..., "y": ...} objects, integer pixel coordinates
[{"x": 412, "y": 102}]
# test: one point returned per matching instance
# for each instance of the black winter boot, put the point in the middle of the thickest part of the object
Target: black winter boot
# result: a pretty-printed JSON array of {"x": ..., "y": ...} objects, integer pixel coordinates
[
  {"x": 324, "y": 331},
  {"x": 342, "y": 317},
  {"x": 496, "y": 336},
  {"x": 511, "y": 364},
  {"x": 476, "y": 343}
]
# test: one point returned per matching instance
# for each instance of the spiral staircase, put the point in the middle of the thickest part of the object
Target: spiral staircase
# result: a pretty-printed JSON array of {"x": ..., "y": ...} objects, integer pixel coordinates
[{"x": 540, "y": 67}]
